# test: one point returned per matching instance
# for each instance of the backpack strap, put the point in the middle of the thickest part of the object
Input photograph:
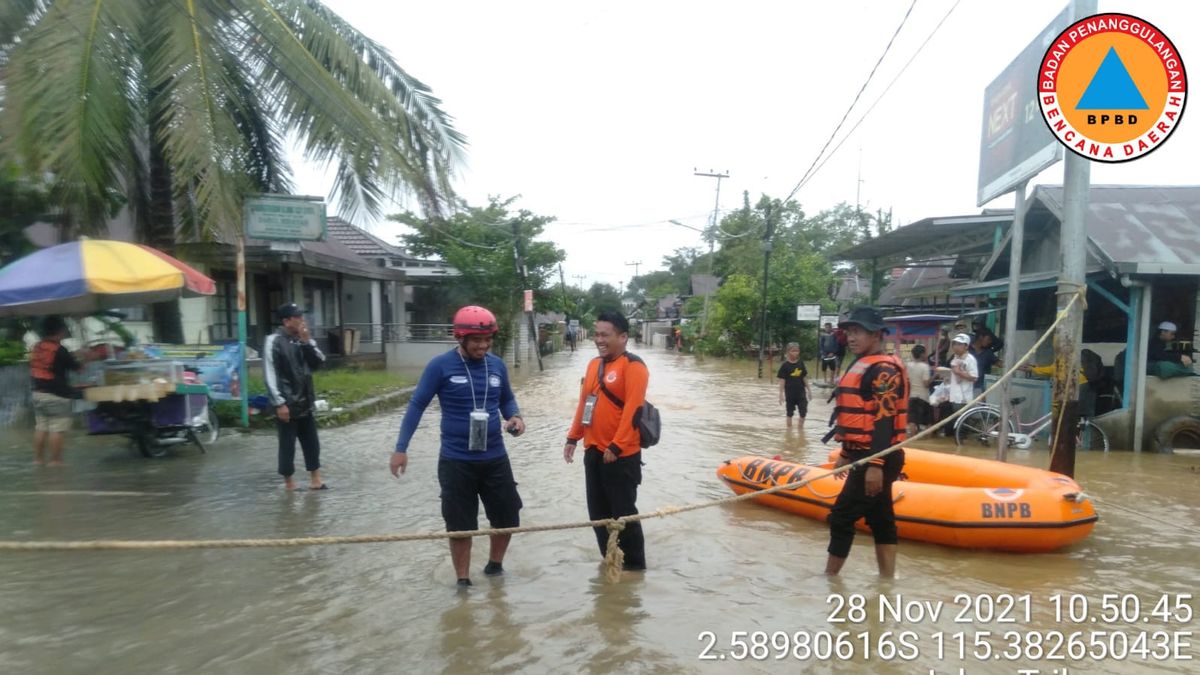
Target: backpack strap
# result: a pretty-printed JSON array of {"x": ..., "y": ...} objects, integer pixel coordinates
[{"x": 611, "y": 396}]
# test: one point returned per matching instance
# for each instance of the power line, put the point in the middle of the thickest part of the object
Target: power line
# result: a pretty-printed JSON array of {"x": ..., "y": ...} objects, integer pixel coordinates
[
  {"x": 857, "y": 96},
  {"x": 884, "y": 93}
]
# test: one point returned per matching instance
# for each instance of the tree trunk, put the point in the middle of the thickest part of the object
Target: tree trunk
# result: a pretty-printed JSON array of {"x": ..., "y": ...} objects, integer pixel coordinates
[{"x": 157, "y": 229}]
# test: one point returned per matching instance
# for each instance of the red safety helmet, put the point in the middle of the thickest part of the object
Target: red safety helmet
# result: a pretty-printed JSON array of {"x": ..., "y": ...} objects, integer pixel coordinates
[{"x": 474, "y": 320}]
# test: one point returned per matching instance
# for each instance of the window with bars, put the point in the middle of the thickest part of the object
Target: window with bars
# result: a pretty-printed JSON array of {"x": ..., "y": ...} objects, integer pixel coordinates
[{"x": 224, "y": 311}]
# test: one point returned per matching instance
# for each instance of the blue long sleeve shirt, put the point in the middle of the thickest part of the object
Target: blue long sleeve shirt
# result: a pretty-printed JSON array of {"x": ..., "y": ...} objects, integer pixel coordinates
[{"x": 450, "y": 377}]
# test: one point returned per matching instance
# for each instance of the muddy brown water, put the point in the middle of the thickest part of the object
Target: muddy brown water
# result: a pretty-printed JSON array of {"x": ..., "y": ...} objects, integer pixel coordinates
[{"x": 730, "y": 589}]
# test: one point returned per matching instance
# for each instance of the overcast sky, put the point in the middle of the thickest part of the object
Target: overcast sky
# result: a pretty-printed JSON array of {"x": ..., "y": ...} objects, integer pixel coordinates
[{"x": 598, "y": 113}]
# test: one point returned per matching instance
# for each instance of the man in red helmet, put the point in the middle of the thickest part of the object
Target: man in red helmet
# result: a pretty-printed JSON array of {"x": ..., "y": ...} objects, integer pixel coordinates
[{"x": 478, "y": 404}]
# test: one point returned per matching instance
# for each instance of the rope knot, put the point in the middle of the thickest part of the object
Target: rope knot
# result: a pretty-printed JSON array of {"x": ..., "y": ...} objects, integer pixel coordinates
[{"x": 614, "y": 557}]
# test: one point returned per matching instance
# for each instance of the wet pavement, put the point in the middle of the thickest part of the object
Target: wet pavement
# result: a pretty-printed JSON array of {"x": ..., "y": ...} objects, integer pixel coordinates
[{"x": 394, "y": 608}]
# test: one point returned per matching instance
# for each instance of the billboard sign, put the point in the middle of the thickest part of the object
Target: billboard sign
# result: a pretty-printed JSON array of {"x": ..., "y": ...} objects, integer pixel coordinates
[{"x": 1015, "y": 143}]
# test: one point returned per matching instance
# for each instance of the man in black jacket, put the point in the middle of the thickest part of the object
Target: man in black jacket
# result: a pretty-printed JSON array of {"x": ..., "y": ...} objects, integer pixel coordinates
[{"x": 289, "y": 357}]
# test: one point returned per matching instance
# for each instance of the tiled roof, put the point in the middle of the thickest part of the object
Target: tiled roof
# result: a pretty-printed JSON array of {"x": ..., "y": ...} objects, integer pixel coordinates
[
  {"x": 1139, "y": 226},
  {"x": 360, "y": 241}
]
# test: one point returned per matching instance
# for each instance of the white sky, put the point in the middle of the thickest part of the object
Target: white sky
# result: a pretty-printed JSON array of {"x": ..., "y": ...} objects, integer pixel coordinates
[{"x": 597, "y": 113}]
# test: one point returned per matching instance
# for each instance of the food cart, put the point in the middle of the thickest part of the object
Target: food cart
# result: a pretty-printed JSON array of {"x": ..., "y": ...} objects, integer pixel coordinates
[{"x": 155, "y": 401}]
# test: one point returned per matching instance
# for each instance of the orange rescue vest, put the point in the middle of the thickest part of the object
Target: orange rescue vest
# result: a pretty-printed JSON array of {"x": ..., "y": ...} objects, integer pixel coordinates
[
  {"x": 41, "y": 360},
  {"x": 858, "y": 406}
]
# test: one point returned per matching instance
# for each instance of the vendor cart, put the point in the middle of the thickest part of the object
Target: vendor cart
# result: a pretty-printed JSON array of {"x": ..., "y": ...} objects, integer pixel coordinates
[
  {"x": 151, "y": 400},
  {"x": 156, "y": 403}
]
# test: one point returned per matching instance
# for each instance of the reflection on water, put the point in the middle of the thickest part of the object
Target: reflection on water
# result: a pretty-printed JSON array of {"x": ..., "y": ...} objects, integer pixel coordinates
[{"x": 394, "y": 607}]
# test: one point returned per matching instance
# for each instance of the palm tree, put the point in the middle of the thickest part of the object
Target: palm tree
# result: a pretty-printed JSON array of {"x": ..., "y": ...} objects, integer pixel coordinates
[{"x": 184, "y": 106}]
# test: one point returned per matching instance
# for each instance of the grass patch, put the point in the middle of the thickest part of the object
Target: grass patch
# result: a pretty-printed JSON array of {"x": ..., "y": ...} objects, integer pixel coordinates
[{"x": 342, "y": 387}]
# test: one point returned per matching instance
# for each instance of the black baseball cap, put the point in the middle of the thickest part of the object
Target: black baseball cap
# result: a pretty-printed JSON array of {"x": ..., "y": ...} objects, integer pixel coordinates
[
  {"x": 288, "y": 310},
  {"x": 867, "y": 317}
]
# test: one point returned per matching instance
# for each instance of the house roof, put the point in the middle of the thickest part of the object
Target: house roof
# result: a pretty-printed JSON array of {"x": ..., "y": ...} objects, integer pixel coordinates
[
  {"x": 1144, "y": 229},
  {"x": 360, "y": 241},
  {"x": 926, "y": 279},
  {"x": 849, "y": 287},
  {"x": 931, "y": 237},
  {"x": 328, "y": 254}
]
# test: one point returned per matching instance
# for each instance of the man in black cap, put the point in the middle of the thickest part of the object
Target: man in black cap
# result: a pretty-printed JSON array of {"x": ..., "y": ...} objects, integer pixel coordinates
[
  {"x": 289, "y": 357},
  {"x": 871, "y": 415}
]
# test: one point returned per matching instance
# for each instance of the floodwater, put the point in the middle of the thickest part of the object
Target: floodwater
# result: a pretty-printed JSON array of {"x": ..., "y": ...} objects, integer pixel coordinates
[{"x": 717, "y": 576}]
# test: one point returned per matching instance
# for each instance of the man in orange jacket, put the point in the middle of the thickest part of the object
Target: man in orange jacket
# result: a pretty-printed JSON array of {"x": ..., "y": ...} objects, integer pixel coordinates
[
  {"x": 871, "y": 415},
  {"x": 614, "y": 388}
]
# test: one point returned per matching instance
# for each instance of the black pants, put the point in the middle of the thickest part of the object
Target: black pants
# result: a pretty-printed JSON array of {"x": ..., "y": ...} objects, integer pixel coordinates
[
  {"x": 305, "y": 429},
  {"x": 612, "y": 493},
  {"x": 853, "y": 503}
]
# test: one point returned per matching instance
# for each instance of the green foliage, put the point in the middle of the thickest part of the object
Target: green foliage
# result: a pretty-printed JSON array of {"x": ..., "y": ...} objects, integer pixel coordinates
[
  {"x": 11, "y": 352},
  {"x": 23, "y": 202},
  {"x": 482, "y": 243},
  {"x": 801, "y": 272},
  {"x": 342, "y": 387},
  {"x": 733, "y": 312},
  {"x": 186, "y": 107}
]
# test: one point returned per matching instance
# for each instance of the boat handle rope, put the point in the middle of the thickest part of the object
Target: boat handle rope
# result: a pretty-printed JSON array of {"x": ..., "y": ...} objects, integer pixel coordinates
[{"x": 613, "y": 560}]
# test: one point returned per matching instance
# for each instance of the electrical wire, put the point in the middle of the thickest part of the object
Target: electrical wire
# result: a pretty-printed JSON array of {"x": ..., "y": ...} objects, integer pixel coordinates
[
  {"x": 857, "y": 96},
  {"x": 880, "y": 98}
]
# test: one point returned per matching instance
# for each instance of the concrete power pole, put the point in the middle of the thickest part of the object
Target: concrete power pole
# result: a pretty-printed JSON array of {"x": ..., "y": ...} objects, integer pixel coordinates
[
  {"x": 636, "y": 264},
  {"x": 712, "y": 237},
  {"x": 521, "y": 270},
  {"x": 762, "y": 335},
  {"x": 1077, "y": 175}
]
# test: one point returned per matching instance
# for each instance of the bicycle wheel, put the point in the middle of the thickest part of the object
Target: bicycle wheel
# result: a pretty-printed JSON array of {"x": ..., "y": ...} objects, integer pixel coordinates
[
  {"x": 1090, "y": 437},
  {"x": 981, "y": 425}
]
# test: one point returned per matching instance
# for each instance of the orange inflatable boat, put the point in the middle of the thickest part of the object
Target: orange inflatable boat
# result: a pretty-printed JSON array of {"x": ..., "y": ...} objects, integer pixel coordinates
[{"x": 943, "y": 499}]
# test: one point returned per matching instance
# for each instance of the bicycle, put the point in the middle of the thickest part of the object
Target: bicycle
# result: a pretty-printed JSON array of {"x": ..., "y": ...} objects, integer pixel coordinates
[{"x": 981, "y": 424}]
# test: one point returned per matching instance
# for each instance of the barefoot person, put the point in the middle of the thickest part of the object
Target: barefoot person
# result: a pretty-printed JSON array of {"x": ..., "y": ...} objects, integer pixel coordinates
[
  {"x": 872, "y": 402},
  {"x": 289, "y": 357},
  {"x": 49, "y": 364},
  {"x": 793, "y": 384},
  {"x": 478, "y": 404}
]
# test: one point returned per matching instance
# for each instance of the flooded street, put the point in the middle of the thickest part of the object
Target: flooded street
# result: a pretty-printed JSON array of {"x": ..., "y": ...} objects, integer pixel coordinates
[{"x": 383, "y": 608}]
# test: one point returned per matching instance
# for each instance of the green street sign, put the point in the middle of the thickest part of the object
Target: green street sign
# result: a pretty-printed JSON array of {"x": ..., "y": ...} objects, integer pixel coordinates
[{"x": 285, "y": 218}]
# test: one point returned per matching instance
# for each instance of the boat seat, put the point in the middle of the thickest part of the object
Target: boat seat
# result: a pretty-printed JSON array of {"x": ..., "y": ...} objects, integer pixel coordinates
[{"x": 1016, "y": 401}]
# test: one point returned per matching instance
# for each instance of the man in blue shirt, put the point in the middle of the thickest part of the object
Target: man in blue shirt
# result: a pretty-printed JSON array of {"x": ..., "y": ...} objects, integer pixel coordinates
[{"x": 478, "y": 404}]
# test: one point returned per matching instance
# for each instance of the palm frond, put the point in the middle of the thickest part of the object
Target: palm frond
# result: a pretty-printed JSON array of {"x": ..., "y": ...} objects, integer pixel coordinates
[
  {"x": 325, "y": 85},
  {"x": 202, "y": 142},
  {"x": 183, "y": 105},
  {"x": 67, "y": 84}
]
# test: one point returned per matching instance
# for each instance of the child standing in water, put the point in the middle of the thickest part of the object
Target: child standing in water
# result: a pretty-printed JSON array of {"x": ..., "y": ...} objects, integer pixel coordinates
[{"x": 793, "y": 384}]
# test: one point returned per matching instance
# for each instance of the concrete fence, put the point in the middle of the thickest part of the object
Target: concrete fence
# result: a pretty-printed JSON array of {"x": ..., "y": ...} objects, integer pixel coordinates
[{"x": 15, "y": 396}]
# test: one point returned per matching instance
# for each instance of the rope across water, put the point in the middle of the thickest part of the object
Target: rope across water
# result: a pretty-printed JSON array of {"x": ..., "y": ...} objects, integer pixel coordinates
[{"x": 613, "y": 559}]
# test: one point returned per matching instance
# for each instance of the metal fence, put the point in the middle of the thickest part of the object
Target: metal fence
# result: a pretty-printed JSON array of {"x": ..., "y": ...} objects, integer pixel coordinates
[{"x": 403, "y": 332}]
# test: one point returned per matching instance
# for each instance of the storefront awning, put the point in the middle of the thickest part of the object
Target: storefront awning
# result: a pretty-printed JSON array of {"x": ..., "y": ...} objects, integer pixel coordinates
[{"x": 1029, "y": 282}]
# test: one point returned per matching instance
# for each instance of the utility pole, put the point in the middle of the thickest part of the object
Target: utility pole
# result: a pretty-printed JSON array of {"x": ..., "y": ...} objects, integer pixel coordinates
[
  {"x": 1077, "y": 177},
  {"x": 521, "y": 270},
  {"x": 762, "y": 335},
  {"x": 579, "y": 280},
  {"x": 1071, "y": 279},
  {"x": 712, "y": 237}
]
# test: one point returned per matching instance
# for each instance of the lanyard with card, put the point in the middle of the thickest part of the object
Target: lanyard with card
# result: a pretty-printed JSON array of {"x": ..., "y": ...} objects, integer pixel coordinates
[{"x": 478, "y": 421}]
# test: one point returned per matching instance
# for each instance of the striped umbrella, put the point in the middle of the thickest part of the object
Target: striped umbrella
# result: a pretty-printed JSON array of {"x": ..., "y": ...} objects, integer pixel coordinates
[{"x": 86, "y": 276}]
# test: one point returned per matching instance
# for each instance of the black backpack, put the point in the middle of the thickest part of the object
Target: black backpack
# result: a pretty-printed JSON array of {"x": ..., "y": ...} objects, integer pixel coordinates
[{"x": 645, "y": 419}]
